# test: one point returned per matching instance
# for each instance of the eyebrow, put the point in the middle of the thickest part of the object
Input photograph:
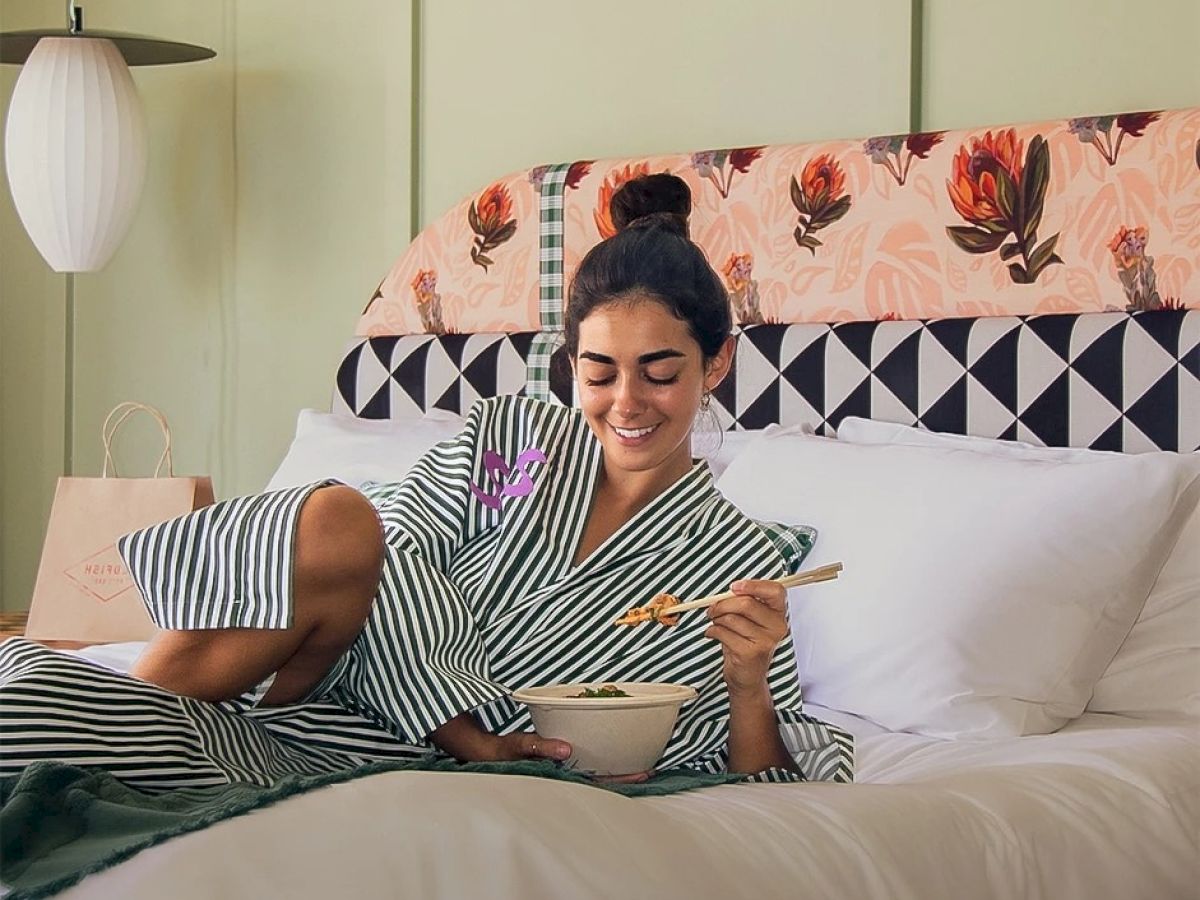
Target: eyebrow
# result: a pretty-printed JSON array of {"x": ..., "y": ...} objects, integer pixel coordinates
[{"x": 643, "y": 360}]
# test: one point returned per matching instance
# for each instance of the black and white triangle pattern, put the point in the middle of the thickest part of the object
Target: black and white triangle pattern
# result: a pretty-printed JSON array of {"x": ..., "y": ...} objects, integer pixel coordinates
[
  {"x": 397, "y": 376},
  {"x": 1111, "y": 381}
]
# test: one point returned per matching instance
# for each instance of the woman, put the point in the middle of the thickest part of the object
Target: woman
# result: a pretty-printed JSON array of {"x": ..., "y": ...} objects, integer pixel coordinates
[{"x": 317, "y": 628}]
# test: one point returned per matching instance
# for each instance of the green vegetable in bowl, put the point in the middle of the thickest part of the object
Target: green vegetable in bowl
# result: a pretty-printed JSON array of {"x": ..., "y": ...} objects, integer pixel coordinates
[{"x": 608, "y": 690}]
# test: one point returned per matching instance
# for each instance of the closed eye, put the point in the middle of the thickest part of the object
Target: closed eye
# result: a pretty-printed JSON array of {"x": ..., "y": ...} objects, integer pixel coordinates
[{"x": 661, "y": 382}]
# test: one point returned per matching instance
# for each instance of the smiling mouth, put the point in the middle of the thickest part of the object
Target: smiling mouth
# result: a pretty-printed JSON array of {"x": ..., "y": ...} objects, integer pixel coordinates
[{"x": 632, "y": 433}]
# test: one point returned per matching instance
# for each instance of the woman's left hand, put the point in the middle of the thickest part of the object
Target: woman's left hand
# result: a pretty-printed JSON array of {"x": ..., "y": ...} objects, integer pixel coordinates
[{"x": 749, "y": 627}]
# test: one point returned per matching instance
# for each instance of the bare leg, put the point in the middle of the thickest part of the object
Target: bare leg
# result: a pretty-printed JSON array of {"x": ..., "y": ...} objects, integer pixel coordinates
[{"x": 339, "y": 555}]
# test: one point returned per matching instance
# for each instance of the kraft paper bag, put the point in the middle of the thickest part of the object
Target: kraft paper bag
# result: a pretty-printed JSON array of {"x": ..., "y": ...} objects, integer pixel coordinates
[{"x": 83, "y": 591}]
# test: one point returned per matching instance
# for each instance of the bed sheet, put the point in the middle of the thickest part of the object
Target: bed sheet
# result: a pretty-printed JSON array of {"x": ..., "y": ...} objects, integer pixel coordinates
[{"x": 1106, "y": 807}]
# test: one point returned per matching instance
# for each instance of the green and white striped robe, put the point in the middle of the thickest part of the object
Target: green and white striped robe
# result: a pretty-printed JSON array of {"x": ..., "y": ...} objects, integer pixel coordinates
[{"x": 479, "y": 595}]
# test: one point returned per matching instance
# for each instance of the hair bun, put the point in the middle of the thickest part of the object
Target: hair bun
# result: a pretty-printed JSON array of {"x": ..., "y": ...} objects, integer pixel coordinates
[{"x": 663, "y": 200}]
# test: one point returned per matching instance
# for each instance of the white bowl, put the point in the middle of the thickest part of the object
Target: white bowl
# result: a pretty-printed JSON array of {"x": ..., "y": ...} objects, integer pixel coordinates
[{"x": 608, "y": 735}]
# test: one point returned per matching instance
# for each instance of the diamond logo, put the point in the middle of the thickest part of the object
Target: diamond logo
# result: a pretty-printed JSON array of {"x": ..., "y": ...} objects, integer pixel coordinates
[{"x": 102, "y": 575}]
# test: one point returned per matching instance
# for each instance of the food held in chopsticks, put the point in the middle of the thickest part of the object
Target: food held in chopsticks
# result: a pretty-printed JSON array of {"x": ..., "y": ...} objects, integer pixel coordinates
[
  {"x": 654, "y": 611},
  {"x": 665, "y": 608}
]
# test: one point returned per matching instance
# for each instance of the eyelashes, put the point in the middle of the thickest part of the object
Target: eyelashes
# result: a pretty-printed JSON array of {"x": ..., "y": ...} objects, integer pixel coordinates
[{"x": 660, "y": 382}]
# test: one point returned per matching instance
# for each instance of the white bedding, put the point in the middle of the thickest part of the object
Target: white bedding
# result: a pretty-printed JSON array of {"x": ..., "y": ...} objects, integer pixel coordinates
[{"x": 1107, "y": 807}]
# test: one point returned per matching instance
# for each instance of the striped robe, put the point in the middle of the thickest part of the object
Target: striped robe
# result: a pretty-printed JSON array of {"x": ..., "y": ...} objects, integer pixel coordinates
[{"x": 479, "y": 595}]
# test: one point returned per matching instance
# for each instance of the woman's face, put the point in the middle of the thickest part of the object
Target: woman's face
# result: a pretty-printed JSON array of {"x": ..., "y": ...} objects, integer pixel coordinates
[{"x": 641, "y": 376}]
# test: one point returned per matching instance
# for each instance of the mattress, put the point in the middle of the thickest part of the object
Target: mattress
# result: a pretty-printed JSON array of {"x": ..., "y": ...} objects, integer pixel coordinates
[{"x": 1107, "y": 807}]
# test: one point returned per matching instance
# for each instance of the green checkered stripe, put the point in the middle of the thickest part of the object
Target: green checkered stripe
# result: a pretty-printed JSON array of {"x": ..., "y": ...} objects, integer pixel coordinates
[{"x": 550, "y": 281}]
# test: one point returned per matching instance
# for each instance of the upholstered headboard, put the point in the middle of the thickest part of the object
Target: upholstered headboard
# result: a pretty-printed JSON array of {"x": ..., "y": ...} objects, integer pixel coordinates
[{"x": 1039, "y": 282}]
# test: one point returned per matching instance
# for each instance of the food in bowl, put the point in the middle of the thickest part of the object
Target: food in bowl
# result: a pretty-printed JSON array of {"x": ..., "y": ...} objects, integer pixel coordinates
[
  {"x": 609, "y": 735},
  {"x": 608, "y": 690}
]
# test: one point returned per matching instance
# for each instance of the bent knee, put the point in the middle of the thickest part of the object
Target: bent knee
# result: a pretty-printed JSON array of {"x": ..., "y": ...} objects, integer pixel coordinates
[{"x": 339, "y": 540}]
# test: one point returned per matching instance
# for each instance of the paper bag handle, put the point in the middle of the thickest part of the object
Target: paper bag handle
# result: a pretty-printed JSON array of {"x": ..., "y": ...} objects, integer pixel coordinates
[{"x": 125, "y": 410}]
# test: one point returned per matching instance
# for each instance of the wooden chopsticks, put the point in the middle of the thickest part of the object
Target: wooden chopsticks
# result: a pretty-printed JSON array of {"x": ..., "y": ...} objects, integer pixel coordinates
[{"x": 812, "y": 576}]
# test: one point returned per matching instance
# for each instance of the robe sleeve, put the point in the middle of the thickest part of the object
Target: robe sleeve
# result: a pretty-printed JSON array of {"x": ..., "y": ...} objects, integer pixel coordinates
[
  {"x": 420, "y": 658},
  {"x": 821, "y": 752}
]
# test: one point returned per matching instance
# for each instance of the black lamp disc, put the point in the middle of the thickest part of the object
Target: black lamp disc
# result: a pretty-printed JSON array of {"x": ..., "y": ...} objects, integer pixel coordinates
[{"x": 138, "y": 50}]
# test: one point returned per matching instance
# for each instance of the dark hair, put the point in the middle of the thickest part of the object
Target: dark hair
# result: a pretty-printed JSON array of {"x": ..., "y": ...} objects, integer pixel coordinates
[{"x": 651, "y": 254}]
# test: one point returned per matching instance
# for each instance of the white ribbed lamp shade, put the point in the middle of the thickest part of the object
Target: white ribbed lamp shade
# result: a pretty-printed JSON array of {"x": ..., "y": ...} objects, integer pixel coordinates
[{"x": 75, "y": 144}]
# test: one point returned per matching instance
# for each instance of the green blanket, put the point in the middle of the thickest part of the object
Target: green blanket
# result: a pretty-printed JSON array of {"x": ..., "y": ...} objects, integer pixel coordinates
[{"x": 59, "y": 823}]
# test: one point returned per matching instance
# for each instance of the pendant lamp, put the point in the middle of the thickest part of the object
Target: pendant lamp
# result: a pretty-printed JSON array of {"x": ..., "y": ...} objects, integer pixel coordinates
[{"x": 75, "y": 139}]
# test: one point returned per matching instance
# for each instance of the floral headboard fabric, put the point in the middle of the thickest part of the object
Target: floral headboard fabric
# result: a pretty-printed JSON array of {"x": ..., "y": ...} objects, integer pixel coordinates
[
  {"x": 1038, "y": 282},
  {"x": 1074, "y": 216}
]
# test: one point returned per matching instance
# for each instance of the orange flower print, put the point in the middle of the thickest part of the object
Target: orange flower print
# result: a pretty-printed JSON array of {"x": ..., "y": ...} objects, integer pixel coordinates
[
  {"x": 612, "y": 183},
  {"x": 822, "y": 180},
  {"x": 490, "y": 218},
  {"x": 710, "y": 164},
  {"x": 905, "y": 148},
  {"x": 429, "y": 301},
  {"x": 1135, "y": 269},
  {"x": 1002, "y": 196},
  {"x": 974, "y": 188},
  {"x": 743, "y": 289},
  {"x": 1128, "y": 246},
  {"x": 818, "y": 199},
  {"x": 1097, "y": 131},
  {"x": 494, "y": 207}
]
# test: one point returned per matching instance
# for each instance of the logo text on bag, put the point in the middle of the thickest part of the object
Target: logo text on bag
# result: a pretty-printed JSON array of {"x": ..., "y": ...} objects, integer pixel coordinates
[{"x": 101, "y": 575}]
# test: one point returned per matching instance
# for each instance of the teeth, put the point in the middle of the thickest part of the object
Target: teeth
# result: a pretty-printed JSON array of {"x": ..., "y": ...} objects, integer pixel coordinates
[{"x": 633, "y": 432}]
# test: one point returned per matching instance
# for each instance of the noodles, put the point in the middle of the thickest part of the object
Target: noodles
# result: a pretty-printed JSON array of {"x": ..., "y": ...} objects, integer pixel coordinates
[{"x": 654, "y": 611}]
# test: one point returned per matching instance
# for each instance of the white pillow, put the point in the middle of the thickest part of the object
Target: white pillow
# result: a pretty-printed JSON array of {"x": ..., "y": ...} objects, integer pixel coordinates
[
  {"x": 982, "y": 596},
  {"x": 1157, "y": 668},
  {"x": 720, "y": 448},
  {"x": 329, "y": 445}
]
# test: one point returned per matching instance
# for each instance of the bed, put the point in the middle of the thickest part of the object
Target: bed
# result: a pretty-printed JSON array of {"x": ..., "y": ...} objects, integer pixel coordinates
[
  {"x": 1105, "y": 808},
  {"x": 1010, "y": 377}
]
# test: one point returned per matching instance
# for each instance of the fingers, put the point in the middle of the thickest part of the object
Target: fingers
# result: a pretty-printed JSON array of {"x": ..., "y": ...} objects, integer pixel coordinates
[
  {"x": 751, "y": 618},
  {"x": 733, "y": 641},
  {"x": 740, "y": 627},
  {"x": 635, "y": 778},
  {"x": 531, "y": 745},
  {"x": 747, "y": 609},
  {"x": 769, "y": 593},
  {"x": 750, "y": 625},
  {"x": 534, "y": 746}
]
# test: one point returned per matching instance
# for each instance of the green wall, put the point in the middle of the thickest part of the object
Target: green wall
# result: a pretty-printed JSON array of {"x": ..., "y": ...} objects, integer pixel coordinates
[
  {"x": 1024, "y": 60},
  {"x": 286, "y": 174},
  {"x": 510, "y": 85}
]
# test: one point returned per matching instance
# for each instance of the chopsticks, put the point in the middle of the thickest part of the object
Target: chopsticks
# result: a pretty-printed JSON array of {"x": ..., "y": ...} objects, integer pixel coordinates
[{"x": 812, "y": 576}]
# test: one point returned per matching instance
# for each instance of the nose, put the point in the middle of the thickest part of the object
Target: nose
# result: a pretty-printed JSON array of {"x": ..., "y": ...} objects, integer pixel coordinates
[{"x": 628, "y": 401}]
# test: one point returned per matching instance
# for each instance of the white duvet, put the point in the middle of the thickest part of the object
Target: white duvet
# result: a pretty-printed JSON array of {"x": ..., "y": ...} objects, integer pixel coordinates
[{"x": 1108, "y": 807}]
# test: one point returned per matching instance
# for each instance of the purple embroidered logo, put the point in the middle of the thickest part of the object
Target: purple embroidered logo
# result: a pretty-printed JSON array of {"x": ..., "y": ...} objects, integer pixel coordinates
[{"x": 496, "y": 471}]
